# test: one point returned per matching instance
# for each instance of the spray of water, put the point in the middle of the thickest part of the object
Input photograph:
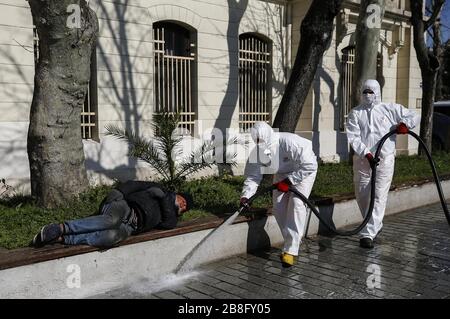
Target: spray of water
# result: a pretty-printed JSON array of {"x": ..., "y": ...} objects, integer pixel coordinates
[
  {"x": 200, "y": 252},
  {"x": 146, "y": 286}
]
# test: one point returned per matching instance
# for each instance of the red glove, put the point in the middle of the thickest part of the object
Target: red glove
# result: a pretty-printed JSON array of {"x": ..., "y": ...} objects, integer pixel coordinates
[
  {"x": 372, "y": 160},
  {"x": 283, "y": 186},
  {"x": 402, "y": 128}
]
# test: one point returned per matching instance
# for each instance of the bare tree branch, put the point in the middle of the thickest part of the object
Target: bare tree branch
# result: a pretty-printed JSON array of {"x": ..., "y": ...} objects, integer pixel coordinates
[
  {"x": 435, "y": 13},
  {"x": 24, "y": 47}
]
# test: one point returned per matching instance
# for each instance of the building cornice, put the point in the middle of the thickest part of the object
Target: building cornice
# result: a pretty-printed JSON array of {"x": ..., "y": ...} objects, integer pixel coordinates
[{"x": 390, "y": 13}]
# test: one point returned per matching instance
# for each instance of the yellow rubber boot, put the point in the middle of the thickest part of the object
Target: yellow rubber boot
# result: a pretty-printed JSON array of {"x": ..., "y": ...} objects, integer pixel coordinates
[{"x": 287, "y": 260}]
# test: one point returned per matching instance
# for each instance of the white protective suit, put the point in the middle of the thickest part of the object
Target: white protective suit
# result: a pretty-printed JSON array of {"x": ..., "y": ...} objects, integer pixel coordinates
[
  {"x": 289, "y": 156},
  {"x": 366, "y": 125}
]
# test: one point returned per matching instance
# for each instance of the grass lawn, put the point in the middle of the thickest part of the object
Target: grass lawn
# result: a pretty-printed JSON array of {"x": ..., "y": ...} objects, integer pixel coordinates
[{"x": 20, "y": 219}]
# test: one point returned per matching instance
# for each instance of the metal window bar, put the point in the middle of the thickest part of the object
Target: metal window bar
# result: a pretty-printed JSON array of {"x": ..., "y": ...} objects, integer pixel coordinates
[
  {"x": 418, "y": 103},
  {"x": 254, "y": 64},
  {"x": 89, "y": 112},
  {"x": 348, "y": 61},
  {"x": 88, "y": 118},
  {"x": 173, "y": 83}
]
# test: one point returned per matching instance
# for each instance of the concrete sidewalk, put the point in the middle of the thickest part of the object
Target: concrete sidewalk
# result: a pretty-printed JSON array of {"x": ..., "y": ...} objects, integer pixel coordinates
[{"x": 411, "y": 260}]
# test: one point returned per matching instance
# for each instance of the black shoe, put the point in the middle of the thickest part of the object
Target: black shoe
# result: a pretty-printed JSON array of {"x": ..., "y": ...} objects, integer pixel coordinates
[
  {"x": 48, "y": 234},
  {"x": 37, "y": 241},
  {"x": 366, "y": 242}
]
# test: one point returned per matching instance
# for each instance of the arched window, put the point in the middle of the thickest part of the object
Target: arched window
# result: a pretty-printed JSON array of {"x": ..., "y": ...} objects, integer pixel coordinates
[
  {"x": 255, "y": 99},
  {"x": 174, "y": 54}
]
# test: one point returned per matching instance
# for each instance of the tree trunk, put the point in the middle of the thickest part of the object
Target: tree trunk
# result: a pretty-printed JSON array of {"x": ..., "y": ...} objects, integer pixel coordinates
[
  {"x": 316, "y": 34},
  {"x": 439, "y": 53},
  {"x": 367, "y": 41},
  {"x": 429, "y": 65},
  {"x": 67, "y": 31},
  {"x": 426, "y": 120},
  {"x": 446, "y": 71}
]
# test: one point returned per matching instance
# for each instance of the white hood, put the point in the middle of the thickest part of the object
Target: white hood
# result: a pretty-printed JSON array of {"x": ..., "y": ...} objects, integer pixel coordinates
[
  {"x": 267, "y": 137},
  {"x": 263, "y": 132},
  {"x": 375, "y": 87}
]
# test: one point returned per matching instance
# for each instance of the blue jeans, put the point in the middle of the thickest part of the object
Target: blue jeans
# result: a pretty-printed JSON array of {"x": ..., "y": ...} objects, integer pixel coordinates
[{"x": 104, "y": 230}]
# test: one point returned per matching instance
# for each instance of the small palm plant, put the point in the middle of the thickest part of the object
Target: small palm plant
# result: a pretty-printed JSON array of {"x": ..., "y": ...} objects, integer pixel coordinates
[{"x": 163, "y": 150}]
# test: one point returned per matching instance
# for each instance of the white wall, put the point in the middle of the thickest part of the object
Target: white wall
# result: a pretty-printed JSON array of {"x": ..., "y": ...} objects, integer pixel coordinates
[
  {"x": 125, "y": 75},
  {"x": 16, "y": 87},
  {"x": 125, "y": 72}
]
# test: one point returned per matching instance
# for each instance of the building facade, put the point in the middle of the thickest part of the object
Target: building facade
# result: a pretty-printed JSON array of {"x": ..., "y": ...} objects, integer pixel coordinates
[{"x": 221, "y": 63}]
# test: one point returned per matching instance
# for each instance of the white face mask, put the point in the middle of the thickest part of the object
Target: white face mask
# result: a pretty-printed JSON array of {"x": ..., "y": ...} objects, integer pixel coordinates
[
  {"x": 265, "y": 154},
  {"x": 368, "y": 98}
]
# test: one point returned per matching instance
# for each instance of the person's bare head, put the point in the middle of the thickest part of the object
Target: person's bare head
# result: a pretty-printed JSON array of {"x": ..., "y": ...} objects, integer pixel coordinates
[{"x": 184, "y": 202}]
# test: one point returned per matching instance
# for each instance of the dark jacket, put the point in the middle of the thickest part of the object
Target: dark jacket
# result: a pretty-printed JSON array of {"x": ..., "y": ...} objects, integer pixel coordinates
[{"x": 154, "y": 206}]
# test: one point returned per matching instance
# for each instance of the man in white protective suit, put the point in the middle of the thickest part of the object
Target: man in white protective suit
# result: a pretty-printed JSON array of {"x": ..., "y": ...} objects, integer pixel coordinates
[
  {"x": 366, "y": 125},
  {"x": 292, "y": 160}
]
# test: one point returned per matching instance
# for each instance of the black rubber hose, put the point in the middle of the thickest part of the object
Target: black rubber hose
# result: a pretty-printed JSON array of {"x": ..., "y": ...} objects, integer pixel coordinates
[
  {"x": 372, "y": 191},
  {"x": 257, "y": 194},
  {"x": 435, "y": 175}
]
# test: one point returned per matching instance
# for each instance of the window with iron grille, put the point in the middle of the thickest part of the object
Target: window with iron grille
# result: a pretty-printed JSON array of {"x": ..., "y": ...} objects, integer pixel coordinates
[
  {"x": 254, "y": 81},
  {"x": 174, "y": 85},
  {"x": 89, "y": 112},
  {"x": 348, "y": 61},
  {"x": 89, "y": 127}
]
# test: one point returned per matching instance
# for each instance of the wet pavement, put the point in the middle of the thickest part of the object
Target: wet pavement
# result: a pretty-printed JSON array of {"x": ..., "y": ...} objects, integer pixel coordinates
[{"x": 411, "y": 259}]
